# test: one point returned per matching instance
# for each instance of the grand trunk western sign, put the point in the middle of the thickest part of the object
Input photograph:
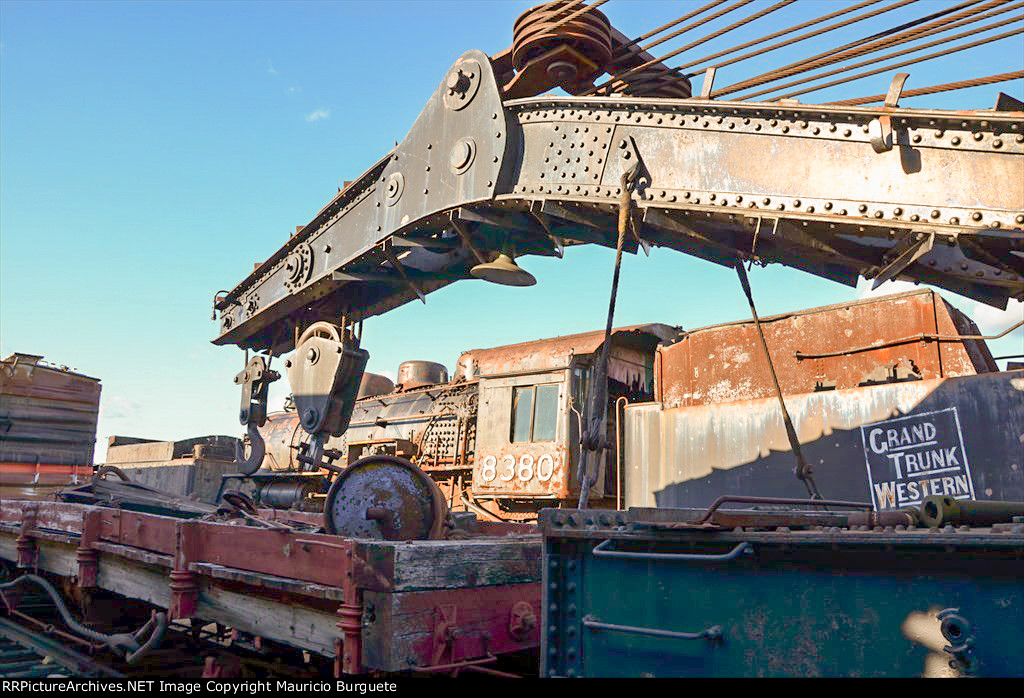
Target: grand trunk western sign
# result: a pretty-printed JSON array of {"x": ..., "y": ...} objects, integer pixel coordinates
[{"x": 913, "y": 457}]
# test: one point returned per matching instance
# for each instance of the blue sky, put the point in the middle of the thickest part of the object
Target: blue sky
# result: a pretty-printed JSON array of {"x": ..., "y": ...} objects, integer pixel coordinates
[{"x": 151, "y": 152}]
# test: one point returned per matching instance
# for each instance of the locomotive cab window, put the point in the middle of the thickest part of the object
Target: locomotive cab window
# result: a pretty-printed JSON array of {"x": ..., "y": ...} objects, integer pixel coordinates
[{"x": 534, "y": 412}]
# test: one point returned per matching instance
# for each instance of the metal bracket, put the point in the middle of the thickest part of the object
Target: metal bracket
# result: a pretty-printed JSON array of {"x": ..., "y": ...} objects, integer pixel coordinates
[
  {"x": 892, "y": 99},
  {"x": 880, "y": 129},
  {"x": 397, "y": 266},
  {"x": 444, "y": 633},
  {"x": 709, "y": 80},
  {"x": 921, "y": 245}
]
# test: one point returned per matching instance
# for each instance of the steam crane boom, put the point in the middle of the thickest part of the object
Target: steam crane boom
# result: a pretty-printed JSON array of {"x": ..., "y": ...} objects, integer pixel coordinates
[
  {"x": 837, "y": 191},
  {"x": 490, "y": 171}
]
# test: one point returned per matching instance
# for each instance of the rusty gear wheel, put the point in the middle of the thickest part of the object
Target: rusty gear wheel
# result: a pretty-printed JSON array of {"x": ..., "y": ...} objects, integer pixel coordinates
[{"x": 537, "y": 31}]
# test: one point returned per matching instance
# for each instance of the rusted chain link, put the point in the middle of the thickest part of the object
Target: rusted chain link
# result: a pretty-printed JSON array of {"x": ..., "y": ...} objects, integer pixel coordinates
[{"x": 934, "y": 89}]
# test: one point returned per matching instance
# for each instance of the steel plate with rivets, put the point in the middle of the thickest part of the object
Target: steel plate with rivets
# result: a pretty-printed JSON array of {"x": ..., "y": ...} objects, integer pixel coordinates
[{"x": 834, "y": 190}]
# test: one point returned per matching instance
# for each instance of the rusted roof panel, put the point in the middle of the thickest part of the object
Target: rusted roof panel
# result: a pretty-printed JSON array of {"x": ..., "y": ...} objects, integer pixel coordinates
[
  {"x": 866, "y": 342},
  {"x": 548, "y": 354}
]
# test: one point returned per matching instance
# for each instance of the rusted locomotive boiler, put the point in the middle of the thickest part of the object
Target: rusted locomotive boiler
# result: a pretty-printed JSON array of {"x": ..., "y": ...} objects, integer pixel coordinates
[{"x": 500, "y": 437}]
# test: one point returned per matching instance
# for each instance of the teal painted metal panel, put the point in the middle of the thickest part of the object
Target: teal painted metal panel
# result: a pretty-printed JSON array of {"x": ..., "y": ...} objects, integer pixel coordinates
[{"x": 816, "y": 602}]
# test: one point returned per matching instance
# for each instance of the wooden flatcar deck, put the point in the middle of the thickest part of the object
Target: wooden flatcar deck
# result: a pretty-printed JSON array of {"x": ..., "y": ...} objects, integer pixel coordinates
[{"x": 371, "y": 605}]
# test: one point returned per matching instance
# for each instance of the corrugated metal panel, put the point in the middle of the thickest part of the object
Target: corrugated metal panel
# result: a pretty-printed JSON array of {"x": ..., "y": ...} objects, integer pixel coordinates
[{"x": 688, "y": 456}]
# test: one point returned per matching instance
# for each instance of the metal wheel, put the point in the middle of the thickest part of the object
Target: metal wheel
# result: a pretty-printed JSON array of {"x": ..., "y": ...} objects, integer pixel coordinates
[
  {"x": 538, "y": 30},
  {"x": 385, "y": 498},
  {"x": 319, "y": 329}
]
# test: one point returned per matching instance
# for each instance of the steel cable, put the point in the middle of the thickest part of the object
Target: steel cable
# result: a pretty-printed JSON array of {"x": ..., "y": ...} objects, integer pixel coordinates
[
  {"x": 673, "y": 72},
  {"x": 640, "y": 49},
  {"x": 920, "y": 59},
  {"x": 570, "y": 4},
  {"x": 709, "y": 37},
  {"x": 777, "y": 34},
  {"x": 934, "y": 89},
  {"x": 904, "y": 52},
  {"x": 678, "y": 20},
  {"x": 853, "y": 49}
]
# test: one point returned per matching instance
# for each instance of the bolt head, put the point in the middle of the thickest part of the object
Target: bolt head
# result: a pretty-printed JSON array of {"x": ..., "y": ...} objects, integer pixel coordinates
[{"x": 309, "y": 417}]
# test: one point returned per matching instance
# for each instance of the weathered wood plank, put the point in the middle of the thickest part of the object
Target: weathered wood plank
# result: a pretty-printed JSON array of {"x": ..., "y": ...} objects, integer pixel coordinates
[
  {"x": 266, "y": 581},
  {"x": 53, "y": 557},
  {"x": 134, "y": 580},
  {"x": 57, "y": 558},
  {"x": 455, "y": 564},
  {"x": 146, "y": 557},
  {"x": 308, "y": 629}
]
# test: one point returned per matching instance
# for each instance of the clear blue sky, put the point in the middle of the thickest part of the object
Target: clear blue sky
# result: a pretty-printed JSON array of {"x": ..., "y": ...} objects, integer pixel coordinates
[{"x": 150, "y": 152}]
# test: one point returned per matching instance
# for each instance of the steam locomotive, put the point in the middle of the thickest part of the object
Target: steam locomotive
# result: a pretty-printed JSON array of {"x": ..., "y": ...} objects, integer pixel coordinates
[{"x": 501, "y": 437}]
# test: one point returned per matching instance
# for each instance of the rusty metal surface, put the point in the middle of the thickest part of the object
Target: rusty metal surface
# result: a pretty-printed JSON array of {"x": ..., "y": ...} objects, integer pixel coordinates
[
  {"x": 511, "y": 467},
  {"x": 688, "y": 456},
  {"x": 418, "y": 374},
  {"x": 374, "y": 384},
  {"x": 724, "y": 363},
  {"x": 47, "y": 425},
  {"x": 385, "y": 498},
  {"x": 555, "y": 353},
  {"x": 421, "y": 630}
]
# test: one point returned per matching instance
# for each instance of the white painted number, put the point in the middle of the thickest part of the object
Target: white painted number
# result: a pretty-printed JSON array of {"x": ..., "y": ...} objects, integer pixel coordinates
[
  {"x": 524, "y": 470},
  {"x": 511, "y": 467},
  {"x": 544, "y": 474},
  {"x": 489, "y": 470}
]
